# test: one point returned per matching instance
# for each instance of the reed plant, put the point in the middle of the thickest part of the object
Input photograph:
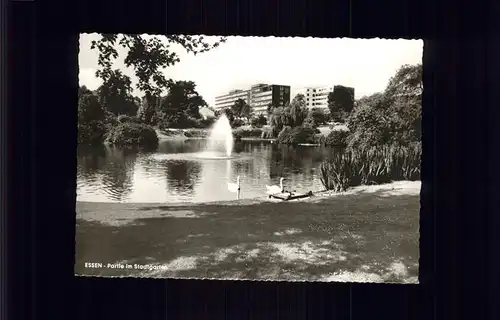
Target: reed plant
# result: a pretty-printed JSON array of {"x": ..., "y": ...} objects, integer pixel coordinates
[{"x": 375, "y": 165}]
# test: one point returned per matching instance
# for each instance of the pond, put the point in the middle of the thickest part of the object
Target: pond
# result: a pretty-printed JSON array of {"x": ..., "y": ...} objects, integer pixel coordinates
[{"x": 171, "y": 174}]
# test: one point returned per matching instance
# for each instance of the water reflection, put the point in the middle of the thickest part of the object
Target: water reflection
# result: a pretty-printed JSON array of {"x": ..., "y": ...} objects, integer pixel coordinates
[
  {"x": 106, "y": 171},
  {"x": 182, "y": 176},
  {"x": 116, "y": 175},
  {"x": 90, "y": 160}
]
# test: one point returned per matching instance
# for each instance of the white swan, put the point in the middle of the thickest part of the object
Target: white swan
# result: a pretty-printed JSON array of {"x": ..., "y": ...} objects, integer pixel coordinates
[
  {"x": 234, "y": 187},
  {"x": 276, "y": 189}
]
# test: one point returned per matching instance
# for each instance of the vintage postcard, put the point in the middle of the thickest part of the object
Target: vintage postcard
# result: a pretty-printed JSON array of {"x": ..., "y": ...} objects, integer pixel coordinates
[{"x": 252, "y": 158}]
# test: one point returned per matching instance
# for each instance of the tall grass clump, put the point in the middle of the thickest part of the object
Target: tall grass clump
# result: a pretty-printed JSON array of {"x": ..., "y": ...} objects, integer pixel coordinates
[{"x": 375, "y": 165}]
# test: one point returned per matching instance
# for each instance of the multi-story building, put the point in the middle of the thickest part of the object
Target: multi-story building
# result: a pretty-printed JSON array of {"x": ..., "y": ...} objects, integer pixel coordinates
[
  {"x": 259, "y": 96},
  {"x": 262, "y": 95},
  {"x": 227, "y": 100},
  {"x": 317, "y": 97}
]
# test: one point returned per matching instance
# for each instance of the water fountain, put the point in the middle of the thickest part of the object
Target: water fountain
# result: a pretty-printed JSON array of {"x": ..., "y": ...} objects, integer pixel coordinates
[
  {"x": 220, "y": 140},
  {"x": 219, "y": 145}
]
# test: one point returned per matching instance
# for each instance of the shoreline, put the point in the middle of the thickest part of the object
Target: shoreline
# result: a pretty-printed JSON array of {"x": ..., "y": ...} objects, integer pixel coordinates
[
  {"x": 119, "y": 213},
  {"x": 205, "y": 138},
  {"x": 179, "y": 134},
  {"x": 402, "y": 188}
]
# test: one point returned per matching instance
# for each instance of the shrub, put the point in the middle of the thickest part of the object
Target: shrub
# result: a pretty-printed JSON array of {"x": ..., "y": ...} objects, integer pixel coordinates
[
  {"x": 267, "y": 133},
  {"x": 309, "y": 122},
  {"x": 135, "y": 119},
  {"x": 92, "y": 132},
  {"x": 122, "y": 118},
  {"x": 336, "y": 138},
  {"x": 204, "y": 123},
  {"x": 171, "y": 133},
  {"x": 163, "y": 126},
  {"x": 237, "y": 123},
  {"x": 89, "y": 109},
  {"x": 371, "y": 166},
  {"x": 320, "y": 116},
  {"x": 237, "y": 136},
  {"x": 130, "y": 133},
  {"x": 284, "y": 134},
  {"x": 248, "y": 133},
  {"x": 296, "y": 135},
  {"x": 196, "y": 133},
  {"x": 369, "y": 124},
  {"x": 381, "y": 119},
  {"x": 91, "y": 120},
  {"x": 258, "y": 121}
]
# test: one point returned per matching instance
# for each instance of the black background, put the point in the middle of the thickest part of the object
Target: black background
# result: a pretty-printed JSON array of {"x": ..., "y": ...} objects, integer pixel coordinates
[{"x": 460, "y": 167}]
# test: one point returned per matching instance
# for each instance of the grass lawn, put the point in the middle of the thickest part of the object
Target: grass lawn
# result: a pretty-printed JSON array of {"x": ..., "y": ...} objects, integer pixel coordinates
[{"x": 366, "y": 237}]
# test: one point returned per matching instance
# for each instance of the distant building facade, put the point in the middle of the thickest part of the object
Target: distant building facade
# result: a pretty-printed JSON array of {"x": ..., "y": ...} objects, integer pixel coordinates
[
  {"x": 259, "y": 96},
  {"x": 227, "y": 100},
  {"x": 262, "y": 95},
  {"x": 317, "y": 97}
]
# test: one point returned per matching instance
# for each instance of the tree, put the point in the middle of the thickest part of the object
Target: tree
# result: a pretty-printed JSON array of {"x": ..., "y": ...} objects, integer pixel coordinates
[
  {"x": 406, "y": 121},
  {"x": 404, "y": 94},
  {"x": 341, "y": 102},
  {"x": 147, "y": 111},
  {"x": 319, "y": 115},
  {"x": 391, "y": 117},
  {"x": 89, "y": 109},
  {"x": 241, "y": 109},
  {"x": 278, "y": 119},
  {"x": 148, "y": 56},
  {"x": 208, "y": 112},
  {"x": 218, "y": 112},
  {"x": 91, "y": 116},
  {"x": 291, "y": 115},
  {"x": 82, "y": 90},
  {"x": 406, "y": 83},
  {"x": 377, "y": 101},
  {"x": 269, "y": 109},
  {"x": 369, "y": 125},
  {"x": 297, "y": 111},
  {"x": 309, "y": 122},
  {"x": 181, "y": 106},
  {"x": 115, "y": 94},
  {"x": 137, "y": 101}
]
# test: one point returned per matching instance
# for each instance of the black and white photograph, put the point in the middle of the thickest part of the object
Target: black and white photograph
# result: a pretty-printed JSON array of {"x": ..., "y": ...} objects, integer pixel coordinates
[{"x": 249, "y": 158}]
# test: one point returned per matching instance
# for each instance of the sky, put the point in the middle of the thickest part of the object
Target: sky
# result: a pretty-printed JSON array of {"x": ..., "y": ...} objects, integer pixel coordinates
[{"x": 365, "y": 64}]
